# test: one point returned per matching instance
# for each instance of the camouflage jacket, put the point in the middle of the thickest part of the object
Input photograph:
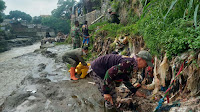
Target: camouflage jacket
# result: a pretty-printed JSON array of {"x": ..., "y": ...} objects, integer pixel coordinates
[
  {"x": 75, "y": 33},
  {"x": 76, "y": 54},
  {"x": 118, "y": 72}
]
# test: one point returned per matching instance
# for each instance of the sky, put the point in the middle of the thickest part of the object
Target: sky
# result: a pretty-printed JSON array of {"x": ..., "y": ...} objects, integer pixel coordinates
[{"x": 32, "y": 7}]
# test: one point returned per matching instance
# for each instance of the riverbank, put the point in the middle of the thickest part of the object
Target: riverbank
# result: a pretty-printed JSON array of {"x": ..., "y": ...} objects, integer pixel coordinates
[
  {"x": 35, "y": 82},
  {"x": 40, "y": 81}
]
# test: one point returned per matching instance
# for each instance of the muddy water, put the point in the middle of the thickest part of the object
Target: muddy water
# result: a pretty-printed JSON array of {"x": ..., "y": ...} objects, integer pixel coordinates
[
  {"x": 36, "y": 83},
  {"x": 14, "y": 52},
  {"x": 20, "y": 62}
]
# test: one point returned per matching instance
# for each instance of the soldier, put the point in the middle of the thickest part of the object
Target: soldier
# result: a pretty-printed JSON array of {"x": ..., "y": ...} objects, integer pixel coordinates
[
  {"x": 73, "y": 57},
  {"x": 111, "y": 69},
  {"x": 113, "y": 17},
  {"x": 76, "y": 33}
]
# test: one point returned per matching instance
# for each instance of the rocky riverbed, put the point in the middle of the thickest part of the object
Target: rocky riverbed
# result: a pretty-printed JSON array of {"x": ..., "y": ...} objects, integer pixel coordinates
[{"x": 39, "y": 81}]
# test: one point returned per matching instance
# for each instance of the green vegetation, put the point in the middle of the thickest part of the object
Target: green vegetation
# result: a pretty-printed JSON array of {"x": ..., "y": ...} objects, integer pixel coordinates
[
  {"x": 19, "y": 15},
  {"x": 105, "y": 29},
  {"x": 170, "y": 26},
  {"x": 167, "y": 26},
  {"x": 60, "y": 18},
  {"x": 36, "y": 20},
  {"x": 64, "y": 9},
  {"x": 58, "y": 24},
  {"x": 69, "y": 66},
  {"x": 2, "y": 7}
]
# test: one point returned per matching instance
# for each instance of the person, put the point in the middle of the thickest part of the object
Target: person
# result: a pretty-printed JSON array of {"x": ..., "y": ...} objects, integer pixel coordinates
[
  {"x": 76, "y": 33},
  {"x": 85, "y": 33},
  {"x": 112, "y": 68},
  {"x": 113, "y": 17},
  {"x": 47, "y": 35},
  {"x": 73, "y": 57}
]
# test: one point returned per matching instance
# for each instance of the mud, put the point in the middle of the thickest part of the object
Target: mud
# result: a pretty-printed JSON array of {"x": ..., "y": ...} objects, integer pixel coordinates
[
  {"x": 36, "y": 95},
  {"x": 35, "y": 82}
]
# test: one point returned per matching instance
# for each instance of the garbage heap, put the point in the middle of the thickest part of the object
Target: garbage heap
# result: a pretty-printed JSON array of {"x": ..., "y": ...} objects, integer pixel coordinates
[{"x": 171, "y": 85}]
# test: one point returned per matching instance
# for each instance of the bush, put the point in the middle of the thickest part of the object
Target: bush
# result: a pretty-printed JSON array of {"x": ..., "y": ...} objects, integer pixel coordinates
[{"x": 170, "y": 26}]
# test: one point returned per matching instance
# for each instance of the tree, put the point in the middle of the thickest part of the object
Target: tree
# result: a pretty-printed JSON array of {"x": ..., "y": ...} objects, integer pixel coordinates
[
  {"x": 58, "y": 24},
  {"x": 64, "y": 9},
  {"x": 2, "y": 7},
  {"x": 60, "y": 18},
  {"x": 37, "y": 20},
  {"x": 19, "y": 15}
]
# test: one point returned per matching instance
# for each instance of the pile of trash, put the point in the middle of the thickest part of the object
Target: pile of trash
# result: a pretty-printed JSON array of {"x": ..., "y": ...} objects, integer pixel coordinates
[{"x": 171, "y": 85}]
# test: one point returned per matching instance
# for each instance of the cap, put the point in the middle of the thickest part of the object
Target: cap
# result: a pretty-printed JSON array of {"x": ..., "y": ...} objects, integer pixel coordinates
[{"x": 146, "y": 56}]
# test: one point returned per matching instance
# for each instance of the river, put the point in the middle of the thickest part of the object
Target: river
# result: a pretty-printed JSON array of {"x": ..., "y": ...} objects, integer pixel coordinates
[
  {"x": 20, "y": 62},
  {"x": 18, "y": 51},
  {"x": 24, "y": 86}
]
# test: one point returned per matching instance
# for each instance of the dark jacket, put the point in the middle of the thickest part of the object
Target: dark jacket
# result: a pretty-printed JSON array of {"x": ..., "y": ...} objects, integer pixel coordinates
[
  {"x": 103, "y": 63},
  {"x": 114, "y": 18}
]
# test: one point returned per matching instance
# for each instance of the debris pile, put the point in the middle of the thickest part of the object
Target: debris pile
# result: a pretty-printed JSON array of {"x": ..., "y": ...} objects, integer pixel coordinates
[{"x": 171, "y": 85}]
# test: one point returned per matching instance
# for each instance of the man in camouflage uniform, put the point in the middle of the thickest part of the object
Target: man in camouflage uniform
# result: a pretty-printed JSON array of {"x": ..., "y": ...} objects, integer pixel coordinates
[
  {"x": 112, "y": 68},
  {"x": 73, "y": 57},
  {"x": 114, "y": 18},
  {"x": 76, "y": 33}
]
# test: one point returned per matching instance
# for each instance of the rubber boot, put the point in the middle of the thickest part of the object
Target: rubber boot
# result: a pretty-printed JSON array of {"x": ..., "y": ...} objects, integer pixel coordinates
[
  {"x": 84, "y": 72},
  {"x": 78, "y": 68},
  {"x": 78, "y": 71},
  {"x": 72, "y": 73}
]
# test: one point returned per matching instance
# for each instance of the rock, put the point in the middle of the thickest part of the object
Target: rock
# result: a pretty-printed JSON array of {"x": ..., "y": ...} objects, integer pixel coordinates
[
  {"x": 46, "y": 46},
  {"x": 41, "y": 66},
  {"x": 49, "y": 54},
  {"x": 31, "y": 80},
  {"x": 16, "y": 99},
  {"x": 41, "y": 80},
  {"x": 20, "y": 42},
  {"x": 4, "y": 46},
  {"x": 52, "y": 74},
  {"x": 44, "y": 74}
]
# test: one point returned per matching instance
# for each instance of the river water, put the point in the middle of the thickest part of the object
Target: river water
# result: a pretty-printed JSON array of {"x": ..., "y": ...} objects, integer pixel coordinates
[
  {"x": 18, "y": 51},
  {"x": 20, "y": 62},
  {"x": 20, "y": 74}
]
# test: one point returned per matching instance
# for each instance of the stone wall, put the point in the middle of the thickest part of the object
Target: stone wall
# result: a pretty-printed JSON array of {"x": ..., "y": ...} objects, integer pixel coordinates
[
  {"x": 90, "y": 17},
  {"x": 18, "y": 34}
]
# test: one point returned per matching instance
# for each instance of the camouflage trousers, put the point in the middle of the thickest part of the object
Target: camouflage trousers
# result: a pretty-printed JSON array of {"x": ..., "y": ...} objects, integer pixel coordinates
[
  {"x": 76, "y": 44},
  {"x": 99, "y": 82}
]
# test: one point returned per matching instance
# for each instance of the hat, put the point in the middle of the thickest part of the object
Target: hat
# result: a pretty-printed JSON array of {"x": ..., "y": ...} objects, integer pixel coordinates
[{"x": 146, "y": 56}]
